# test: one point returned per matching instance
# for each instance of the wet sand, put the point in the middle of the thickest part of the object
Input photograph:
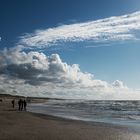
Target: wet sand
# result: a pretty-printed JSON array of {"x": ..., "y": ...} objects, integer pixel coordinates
[{"x": 20, "y": 125}]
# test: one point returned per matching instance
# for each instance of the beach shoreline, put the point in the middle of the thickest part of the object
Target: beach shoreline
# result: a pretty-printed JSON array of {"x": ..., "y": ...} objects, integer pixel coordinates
[{"x": 15, "y": 125}]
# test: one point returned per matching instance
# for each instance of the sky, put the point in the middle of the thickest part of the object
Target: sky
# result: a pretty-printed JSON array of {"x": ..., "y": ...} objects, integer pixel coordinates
[{"x": 87, "y": 49}]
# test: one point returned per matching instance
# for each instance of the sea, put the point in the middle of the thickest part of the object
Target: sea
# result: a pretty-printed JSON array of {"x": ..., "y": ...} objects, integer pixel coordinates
[{"x": 113, "y": 112}]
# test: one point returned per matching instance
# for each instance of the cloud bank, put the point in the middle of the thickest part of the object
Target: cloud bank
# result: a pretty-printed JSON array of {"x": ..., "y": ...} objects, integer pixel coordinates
[
  {"x": 123, "y": 27},
  {"x": 35, "y": 74}
]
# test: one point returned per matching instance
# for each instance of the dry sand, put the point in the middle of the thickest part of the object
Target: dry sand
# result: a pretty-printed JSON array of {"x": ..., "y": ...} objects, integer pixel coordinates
[{"x": 15, "y": 125}]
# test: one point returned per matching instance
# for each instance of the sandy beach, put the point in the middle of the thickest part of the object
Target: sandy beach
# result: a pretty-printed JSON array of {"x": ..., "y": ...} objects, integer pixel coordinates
[{"x": 21, "y": 125}]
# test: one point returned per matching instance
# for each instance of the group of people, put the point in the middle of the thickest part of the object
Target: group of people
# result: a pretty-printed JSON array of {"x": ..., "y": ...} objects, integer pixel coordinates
[{"x": 21, "y": 104}]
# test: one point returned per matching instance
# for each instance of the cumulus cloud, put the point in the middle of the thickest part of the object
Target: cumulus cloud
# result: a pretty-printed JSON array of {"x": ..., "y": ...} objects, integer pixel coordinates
[
  {"x": 118, "y": 84},
  {"x": 123, "y": 27},
  {"x": 35, "y": 67},
  {"x": 35, "y": 74}
]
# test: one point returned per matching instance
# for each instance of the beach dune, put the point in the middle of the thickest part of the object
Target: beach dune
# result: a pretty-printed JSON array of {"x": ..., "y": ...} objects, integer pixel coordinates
[{"x": 21, "y": 125}]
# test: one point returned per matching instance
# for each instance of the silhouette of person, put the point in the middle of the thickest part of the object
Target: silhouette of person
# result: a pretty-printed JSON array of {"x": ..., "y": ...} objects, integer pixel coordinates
[
  {"x": 19, "y": 104},
  {"x": 13, "y": 103},
  {"x": 22, "y": 103},
  {"x": 25, "y": 104}
]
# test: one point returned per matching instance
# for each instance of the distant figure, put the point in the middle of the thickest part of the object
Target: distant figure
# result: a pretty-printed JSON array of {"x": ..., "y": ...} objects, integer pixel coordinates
[
  {"x": 19, "y": 104},
  {"x": 22, "y": 104},
  {"x": 13, "y": 103},
  {"x": 25, "y": 104}
]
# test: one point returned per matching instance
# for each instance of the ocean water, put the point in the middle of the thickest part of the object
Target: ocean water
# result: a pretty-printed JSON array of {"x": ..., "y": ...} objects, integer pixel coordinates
[{"x": 115, "y": 112}]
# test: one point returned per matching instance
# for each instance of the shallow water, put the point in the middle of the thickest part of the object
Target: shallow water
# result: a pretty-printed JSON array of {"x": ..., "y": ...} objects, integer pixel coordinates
[{"x": 115, "y": 112}]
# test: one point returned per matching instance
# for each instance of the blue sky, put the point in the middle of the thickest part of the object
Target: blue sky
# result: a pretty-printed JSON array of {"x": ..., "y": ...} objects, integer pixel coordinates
[
  {"x": 108, "y": 55},
  {"x": 18, "y": 17}
]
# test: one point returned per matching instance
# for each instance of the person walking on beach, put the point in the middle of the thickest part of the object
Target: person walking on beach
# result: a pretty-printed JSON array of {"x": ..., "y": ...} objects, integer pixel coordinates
[
  {"x": 22, "y": 103},
  {"x": 19, "y": 104},
  {"x": 25, "y": 104},
  {"x": 13, "y": 103}
]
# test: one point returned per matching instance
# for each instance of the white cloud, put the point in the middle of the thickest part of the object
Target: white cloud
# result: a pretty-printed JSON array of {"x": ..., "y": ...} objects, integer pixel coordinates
[
  {"x": 35, "y": 74},
  {"x": 108, "y": 29},
  {"x": 35, "y": 68},
  {"x": 118, "y": 84}
]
